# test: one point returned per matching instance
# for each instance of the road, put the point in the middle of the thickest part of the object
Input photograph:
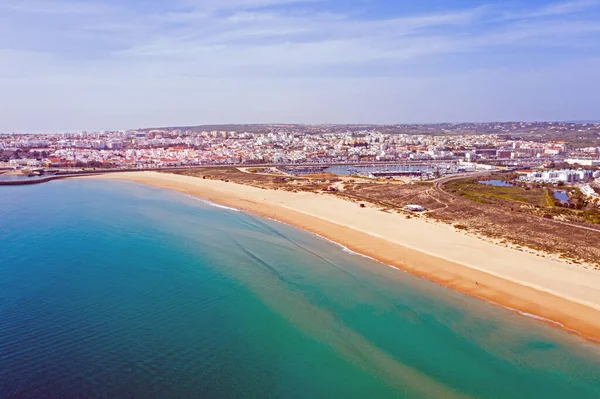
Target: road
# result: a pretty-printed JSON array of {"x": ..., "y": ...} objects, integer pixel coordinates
[{"x": 438, "y": 185}]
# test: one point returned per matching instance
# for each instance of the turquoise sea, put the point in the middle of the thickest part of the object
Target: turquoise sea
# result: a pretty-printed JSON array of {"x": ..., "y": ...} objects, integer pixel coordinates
[{"x": 116, "y": 290}]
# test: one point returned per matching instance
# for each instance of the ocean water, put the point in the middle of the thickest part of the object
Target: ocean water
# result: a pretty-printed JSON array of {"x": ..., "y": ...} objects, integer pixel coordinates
[{"x": 116, "y": 290}]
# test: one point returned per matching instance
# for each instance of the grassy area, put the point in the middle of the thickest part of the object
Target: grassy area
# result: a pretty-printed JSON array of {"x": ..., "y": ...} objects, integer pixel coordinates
[
  {"x": 475, "y": 191},
  {"x": 591, "y": 216},
  {"x": 534, "y": 199}
]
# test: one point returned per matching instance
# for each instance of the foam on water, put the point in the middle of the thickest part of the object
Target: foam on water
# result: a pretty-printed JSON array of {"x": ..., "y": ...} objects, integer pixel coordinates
[
  {"x": 213, "y": 204},
  {"x": 536, "y": 317}
]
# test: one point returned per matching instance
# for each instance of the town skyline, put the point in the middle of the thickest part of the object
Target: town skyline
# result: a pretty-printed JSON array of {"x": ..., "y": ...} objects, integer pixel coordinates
[{"x": 512, "y": 143}]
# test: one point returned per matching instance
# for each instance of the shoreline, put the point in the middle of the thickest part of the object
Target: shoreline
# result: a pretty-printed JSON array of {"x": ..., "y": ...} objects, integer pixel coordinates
[{"x": 560, "y": 295}]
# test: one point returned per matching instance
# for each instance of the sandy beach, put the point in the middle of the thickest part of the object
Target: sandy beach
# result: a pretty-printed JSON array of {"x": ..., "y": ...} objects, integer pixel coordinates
[{"x": 565, "y": 295}]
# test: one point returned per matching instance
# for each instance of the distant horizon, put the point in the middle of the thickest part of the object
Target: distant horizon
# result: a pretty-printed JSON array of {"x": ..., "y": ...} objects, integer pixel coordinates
[{"x": 579, "y": 122}]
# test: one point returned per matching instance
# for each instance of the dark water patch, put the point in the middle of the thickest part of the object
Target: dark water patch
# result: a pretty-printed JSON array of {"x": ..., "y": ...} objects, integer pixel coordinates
[{"x": 542, "y": 345}]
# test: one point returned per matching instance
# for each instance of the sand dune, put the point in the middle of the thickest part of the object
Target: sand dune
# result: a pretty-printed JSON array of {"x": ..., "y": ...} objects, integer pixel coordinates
[{"x": 544, "y": 287}]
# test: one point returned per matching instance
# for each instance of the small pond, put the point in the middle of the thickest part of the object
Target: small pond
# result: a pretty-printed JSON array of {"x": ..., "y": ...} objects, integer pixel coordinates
[
  {"x": 496, "y": 183},
  {"x": 562, "y": 196}
]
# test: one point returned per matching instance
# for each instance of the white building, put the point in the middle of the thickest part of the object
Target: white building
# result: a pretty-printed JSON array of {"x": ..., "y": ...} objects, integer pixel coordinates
[
  {"x": 477, "y": 166},
  {"x": 556, "y": 176},
  {"x": 588, "y": 191},
  {"x": 583, "y": 162}
]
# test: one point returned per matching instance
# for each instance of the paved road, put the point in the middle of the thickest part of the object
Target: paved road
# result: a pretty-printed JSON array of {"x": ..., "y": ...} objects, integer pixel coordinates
[{"x": 438, "y": 185}]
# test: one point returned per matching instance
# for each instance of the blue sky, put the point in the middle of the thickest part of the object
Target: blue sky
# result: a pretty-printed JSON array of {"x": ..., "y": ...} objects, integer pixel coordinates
[{"x": 104, "y": 64}]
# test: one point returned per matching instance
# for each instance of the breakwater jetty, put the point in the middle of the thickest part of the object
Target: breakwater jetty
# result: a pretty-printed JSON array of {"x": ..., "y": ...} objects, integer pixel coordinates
[
  {"x": 36, "y": 180},
  {"x": 19, "y": 182},
  {"x": 45, "y": 179}
]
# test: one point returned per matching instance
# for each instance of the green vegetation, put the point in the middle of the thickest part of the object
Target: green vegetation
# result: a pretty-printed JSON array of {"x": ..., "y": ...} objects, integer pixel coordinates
[
  {"x": 530, "y": 198},
  {"x": 591, "y": 216},
  {"x": 473, "y": 190}
]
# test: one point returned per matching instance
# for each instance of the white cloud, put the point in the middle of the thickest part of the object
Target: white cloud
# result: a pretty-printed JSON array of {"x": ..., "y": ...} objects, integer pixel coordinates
[{"x": 555, "y": 9}]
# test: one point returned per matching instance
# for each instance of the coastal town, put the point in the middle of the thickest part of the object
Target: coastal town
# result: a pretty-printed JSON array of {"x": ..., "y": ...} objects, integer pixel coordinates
[
  {"x": 552, "y": 153},
  {"x": 524, "y": 144}
]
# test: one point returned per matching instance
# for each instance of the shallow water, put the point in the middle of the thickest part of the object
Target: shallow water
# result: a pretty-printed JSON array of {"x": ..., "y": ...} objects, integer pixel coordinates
[{"x": 111, "y": 289}]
